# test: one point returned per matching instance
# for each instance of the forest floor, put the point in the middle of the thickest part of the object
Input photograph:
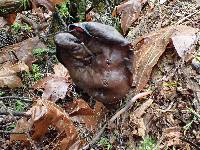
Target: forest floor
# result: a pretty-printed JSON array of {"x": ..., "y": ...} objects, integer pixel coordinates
[{"x": 168, "y": 118}]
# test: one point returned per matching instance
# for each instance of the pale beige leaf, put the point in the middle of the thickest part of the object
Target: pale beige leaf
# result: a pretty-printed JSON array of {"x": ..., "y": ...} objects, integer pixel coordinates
[
  {"x": 22, "y": 126},
  {"x": 141, "y": 110},
  {"x": 198, "y": 2},
  {"x": 60, "y": 70},
  {"x": 184, "y": 39},
  {"x": 54, "y": 87},
  {"x": 8, "y": 74}
]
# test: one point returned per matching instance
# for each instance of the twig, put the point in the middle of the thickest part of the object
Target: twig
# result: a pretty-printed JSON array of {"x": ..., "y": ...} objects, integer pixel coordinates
[
  {"x": 11, "y": 132},
  {"x": 25, "y": 99},
  {"x": 23, "y": 114},
  {"x": 188, "y": 16},
  {"x": 191, "y": 143},
  {"x": 127, "y": 106}
]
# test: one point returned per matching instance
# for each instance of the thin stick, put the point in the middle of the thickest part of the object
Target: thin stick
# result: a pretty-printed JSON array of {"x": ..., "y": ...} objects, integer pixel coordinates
[
  {"x": 25, "y": 99},
  {"x": 188, "y": 16},
  {"x": 127, "y": 106},
  {"x": 21, "y": 114}
]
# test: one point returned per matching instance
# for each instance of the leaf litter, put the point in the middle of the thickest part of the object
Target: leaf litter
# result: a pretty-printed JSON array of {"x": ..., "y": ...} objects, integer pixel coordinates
[{"x": 162, "y": 116}]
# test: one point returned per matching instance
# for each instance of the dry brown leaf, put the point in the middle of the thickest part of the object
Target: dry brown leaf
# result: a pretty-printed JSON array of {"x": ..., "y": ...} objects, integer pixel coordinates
[
  {"x": 10, "y": 18},
  {"x": 148, "y": 50},
  {"x": 139, "y": 126},
  {"x": 3, "y": 22},
  {"x": 138, "y": 121},
  {"x": 49, "y": 4},
  {"x": 55, "y": 87},
  {"x": 60, "y": 70},
  {"x": 129, "y": 11},
  {"x": 8, "y": 74},
  {"x": 22, "y": 126},
  {"x": 78, "y": 107},
  {"x": 172, "y": 137},
  {"x": 45, "y": 113},
  {"x": 21, "y": 51},
  {"x": 81, "y": 112},
  {"x": 184, "y": 39},
  {"x": 141, "y": 110}
]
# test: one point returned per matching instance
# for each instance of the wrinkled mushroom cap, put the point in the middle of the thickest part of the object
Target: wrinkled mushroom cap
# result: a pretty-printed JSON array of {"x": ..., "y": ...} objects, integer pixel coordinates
[{"x": 105, "y": 33}]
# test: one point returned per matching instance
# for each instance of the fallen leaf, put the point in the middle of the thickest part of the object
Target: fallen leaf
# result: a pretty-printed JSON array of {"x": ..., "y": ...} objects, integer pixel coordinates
[
  {"x": 141, "y": 110},
  {"x": 172, "y": 137},
  {"x": 3, "y": 22},
  {"x": 8, "y": 74},
  {"x": 184, "y": 39},
  {"x": 54, "y": 87},
  {"x": 49, "y": 4},
  {"x": 10, "y": 18},
  {"x": 22, "y": 126},
  {"x": 129, "y": 11},
  {"x": 137, "y": 120},
  {"x": 78, "y": 107},
  {"x": 21, "y": 51},
  {"x": 44, "y": 114},
  {"x": 148, "y": 50},
  {"x": 81, "y": 112},
  {"x": 60, "y": 70}
]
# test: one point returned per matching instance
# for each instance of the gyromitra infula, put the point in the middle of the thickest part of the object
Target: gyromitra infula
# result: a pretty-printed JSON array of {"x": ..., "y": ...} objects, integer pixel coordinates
[{"x": 98, "y": 59}]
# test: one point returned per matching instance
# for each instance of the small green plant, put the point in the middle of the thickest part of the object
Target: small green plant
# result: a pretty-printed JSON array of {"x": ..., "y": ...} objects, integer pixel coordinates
[
  {"x": 36, "y": 72},
  {"x": 19, "y": 106},
  {"x": 195, "y": 118},
  {"x": 147, "y": 144},
  {"x": 63, "y": 9},
  {"x": 2, "y": 93},
  {"x": 40, "y": 52},
  {"x": 25, "y": 3},
  {"x": 27, "y": 28},
  {"x": 16, "y": 27},
  {"x": 170, "y": 84},
  {"x": 105, "y": 143},
  {"x": 10, "y": 127}
]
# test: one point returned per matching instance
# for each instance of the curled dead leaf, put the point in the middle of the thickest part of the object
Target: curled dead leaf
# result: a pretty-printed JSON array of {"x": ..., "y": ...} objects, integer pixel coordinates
[
  {"x": 43, "y": 114},
  {"x": 8, "y": 74},
  {"x": 148, "y": 50},
  {"x": 184, "y": 39},
  {"x": 49, "y": 4},
  {"x": 54, "y": 87},
  {"x": 81, "y": 112},
  {"x": 129, "y": 11},
  {"x": 21, "y": 51}
]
